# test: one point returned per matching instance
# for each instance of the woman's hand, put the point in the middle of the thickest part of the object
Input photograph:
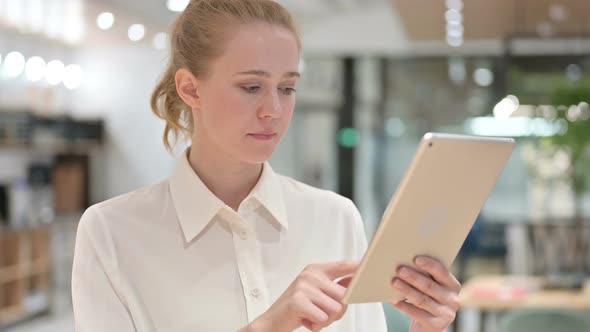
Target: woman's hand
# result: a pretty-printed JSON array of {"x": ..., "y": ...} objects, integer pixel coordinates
[
  {"x": 313, "y": 300},
  {"x": 432, "y": 302}
]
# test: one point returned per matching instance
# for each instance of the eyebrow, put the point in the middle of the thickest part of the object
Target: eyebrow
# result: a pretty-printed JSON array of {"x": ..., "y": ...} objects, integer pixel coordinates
[{"x": 266, "y": 74}]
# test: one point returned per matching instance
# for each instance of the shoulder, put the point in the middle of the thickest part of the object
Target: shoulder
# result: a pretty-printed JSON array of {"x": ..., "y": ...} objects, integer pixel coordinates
[
  {"x": 302, "y": 194},
  {"x": 316, "y": 213},
  {"x": 325, "y": 209},
  {"x": 141, "y": 204}
]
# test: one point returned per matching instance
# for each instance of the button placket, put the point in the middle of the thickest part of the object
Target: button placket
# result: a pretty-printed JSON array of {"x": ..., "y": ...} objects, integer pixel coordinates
[
  {"x": 243, "y": 234},
  {"x": 255, "y": 292},
  {"x": 249, "y": 261}
]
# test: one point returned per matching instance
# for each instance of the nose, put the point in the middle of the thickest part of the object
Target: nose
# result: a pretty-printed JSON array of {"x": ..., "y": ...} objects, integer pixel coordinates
[{"x": 271, "y": 107}]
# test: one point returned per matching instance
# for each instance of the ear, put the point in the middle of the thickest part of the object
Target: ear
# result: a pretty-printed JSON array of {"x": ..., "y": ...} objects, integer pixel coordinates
[{"x": 187, "y": 87}]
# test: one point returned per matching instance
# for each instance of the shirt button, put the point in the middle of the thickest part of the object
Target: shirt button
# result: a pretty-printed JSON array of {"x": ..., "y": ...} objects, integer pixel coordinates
[
  {"x": 243, "y": 235},
  {"x": 255, "y": 292}
]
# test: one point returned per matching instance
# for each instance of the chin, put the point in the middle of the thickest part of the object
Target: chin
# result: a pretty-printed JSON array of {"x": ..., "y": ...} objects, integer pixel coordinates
[{"x": 257, "y": 156}]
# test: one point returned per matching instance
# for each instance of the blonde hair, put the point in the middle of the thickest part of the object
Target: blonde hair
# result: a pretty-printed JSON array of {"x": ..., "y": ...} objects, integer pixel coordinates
[{"x": 196, "y": 39}]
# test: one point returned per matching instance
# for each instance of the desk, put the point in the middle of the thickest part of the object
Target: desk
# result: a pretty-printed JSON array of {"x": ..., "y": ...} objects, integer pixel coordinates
[{"x": 504, "y": 293}]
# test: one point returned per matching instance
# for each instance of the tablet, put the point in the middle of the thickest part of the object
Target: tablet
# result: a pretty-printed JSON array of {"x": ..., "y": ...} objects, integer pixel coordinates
[{"x": 432, "y": 211}]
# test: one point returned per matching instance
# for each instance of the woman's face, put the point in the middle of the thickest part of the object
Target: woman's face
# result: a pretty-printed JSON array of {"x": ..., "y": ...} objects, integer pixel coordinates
[{"x": 248, "y": 97}]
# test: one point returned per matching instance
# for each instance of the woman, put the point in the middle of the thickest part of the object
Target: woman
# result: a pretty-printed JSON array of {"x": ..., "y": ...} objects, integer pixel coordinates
[{"x": 226, "y": 244}]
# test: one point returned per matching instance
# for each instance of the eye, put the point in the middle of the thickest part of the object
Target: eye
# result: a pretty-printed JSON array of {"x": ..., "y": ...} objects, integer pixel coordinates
[
  {"x": 251, "y": 89},
  {"x": 288, "y": 91}
]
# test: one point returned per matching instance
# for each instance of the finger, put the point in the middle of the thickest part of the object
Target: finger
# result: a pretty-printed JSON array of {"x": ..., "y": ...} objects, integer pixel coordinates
[
  {"x": 411, "y": 310},
  {"x": 343, "y": 283},
  {"x": 342, "y": 312},
  {"x": 430, "y": 287},
  {"x": 333, "y": 289},
  {"x": 335, "y": 270},
  {"x": 316, "y": 328},
  {"x": 311, "y": 326},
  {"x": 322, "y": 282},
  {"x": 328, "y": 305},
  {"x": 439, "y": 272},
  {"x": 425, "y": 319},
  {"x": 418, "y": 298},
  {"x": 308, "y": 311}
]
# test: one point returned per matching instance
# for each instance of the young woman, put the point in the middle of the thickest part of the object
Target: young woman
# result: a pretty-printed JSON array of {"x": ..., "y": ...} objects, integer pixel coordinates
[{"x": 225, "y": 243}]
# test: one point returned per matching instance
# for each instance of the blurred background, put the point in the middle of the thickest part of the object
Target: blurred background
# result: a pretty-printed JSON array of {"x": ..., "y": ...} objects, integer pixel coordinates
[{"x": 76, "y": 129}]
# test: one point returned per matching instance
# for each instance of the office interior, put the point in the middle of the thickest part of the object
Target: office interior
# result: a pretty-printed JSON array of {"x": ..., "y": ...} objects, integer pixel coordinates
[{"x": 76, "y": 129}]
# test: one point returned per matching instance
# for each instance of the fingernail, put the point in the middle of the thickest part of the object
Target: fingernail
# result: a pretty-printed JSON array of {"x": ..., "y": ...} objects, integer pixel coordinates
[
  {"x": 397, "y": 283},
  {"x": 404, "y": 272},
  {"x": 421, "y": 261}
]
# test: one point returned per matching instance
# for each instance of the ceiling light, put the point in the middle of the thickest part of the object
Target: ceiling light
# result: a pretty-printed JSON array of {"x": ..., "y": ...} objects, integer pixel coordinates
[
  {"x": 72, "y": 76},
  {"x": 105, "y": 20},
  {"x": 558, "y": 13},
  {"x": 455, "y": 41},
  {"x": 55, "y": 72},
  {"x": 483, "y": 77},
  {"x": 507, "y": 106},
  {"x": 14, "y": 64},
  {"x": 455, "y": 30},
  {"x": 35, "y": 69},
  {"x": 177, "y": 5},
  {"x": 453, "y": 15},
  {"x": 455, "y": 4},
  {"x": 136, "y": 32},
  {"x": 160, "y": 41}
]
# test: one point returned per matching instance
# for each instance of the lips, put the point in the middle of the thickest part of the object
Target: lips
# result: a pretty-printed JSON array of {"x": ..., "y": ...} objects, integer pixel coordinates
[
  {"x": 263, "y": 136},
  {"x": 266, "y": 133}
]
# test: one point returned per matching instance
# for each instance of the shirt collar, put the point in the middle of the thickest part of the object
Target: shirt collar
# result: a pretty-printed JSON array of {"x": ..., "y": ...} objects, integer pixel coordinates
[
  {"x": 269, "y": 193},
  {"x": 196, "y": 205}
]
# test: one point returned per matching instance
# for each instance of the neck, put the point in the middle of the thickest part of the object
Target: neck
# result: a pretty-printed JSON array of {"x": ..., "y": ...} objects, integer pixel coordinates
[{"x": 229, "y": 180}]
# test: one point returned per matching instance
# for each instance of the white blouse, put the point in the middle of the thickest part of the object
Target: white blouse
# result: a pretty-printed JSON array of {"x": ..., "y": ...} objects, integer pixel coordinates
[{"x": 173, "y": 257}]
